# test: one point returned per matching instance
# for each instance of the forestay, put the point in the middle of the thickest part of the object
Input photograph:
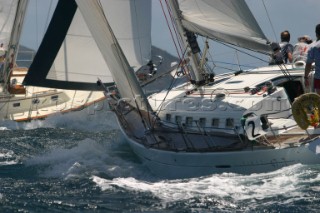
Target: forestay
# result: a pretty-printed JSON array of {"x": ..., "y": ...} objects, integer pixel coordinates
[
  {"x": 123, "y": 75},
  {"x": 229, "y": 21}
]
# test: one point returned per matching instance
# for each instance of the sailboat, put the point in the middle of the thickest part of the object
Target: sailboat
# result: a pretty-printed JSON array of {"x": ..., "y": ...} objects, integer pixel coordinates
[
  {"x": 24, "y": 103},
  {"x": 246, "y": 122}
]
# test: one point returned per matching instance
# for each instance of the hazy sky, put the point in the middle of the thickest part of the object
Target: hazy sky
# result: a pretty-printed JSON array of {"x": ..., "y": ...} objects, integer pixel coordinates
[{"x": 297, "y": 16}]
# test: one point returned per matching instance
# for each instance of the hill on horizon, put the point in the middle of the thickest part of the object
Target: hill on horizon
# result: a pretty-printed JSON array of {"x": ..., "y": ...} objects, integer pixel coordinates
[{"x": 26, "y": 55}]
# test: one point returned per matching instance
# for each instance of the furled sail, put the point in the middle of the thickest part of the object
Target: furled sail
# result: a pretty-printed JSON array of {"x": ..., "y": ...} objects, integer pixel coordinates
[
  {"x": 12, "y": 14},
  {"x": 75, "y": 60},
  {"x": 229, "y": 21},
  {"x": 8, "y": 11}
]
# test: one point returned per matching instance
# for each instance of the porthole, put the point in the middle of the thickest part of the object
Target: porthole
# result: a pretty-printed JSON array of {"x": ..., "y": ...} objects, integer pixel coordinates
[
  {"x": 202, "y": 122},
  {"x": 189, "y": 121},
  {"x": 35, "y": 101},
  {"x": 215, "y": 122},
  {"x": 229, "y": 122},
  {"x": 54, "y": 97},
  {"x": 168, "y": 117},
  {"x": 16, "y": 104},
  {"x": 178, "y": 119}
]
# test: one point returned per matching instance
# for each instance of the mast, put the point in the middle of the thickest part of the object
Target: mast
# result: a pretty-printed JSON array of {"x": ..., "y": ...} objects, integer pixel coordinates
[
  {"x": 190, "y": 43},
  {"x": 13, "y": 46}
]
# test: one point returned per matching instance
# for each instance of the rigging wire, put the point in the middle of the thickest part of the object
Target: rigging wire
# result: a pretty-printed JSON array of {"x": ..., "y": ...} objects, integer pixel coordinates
[
  {"x": 282, "y": 67},
  {"x": 173, "y": 23},
  {"x": 48, "y": 17},
  {"x": 37, "y": 24},
  {"x": 246, "y": 53},
  {"x": 221, "y": 67},
  {"x": 285, "y": 72},
  {"x": 122, "y": 64},
  {"x": 274, "y": 33},
  {"x": 181, "y": 58},
  {"x": 170, "y": 30},
  {"x": 169, "y": 88}
]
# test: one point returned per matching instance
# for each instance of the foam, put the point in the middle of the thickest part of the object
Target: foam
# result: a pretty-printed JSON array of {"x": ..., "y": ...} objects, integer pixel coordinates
[{"x": 229, "y": 189}]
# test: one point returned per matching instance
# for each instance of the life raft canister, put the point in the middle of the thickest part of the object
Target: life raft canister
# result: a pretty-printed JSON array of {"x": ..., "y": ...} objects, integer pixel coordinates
[{"x": 306, "y": 110}]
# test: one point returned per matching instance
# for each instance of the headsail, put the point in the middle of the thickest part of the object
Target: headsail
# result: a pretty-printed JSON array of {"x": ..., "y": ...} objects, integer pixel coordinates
[
  {"x": 229, "y": 21},
  {"x": 132, "y": 28},
  {"x": 75, "y": 60},
  {"x": 122, "y": 73}
]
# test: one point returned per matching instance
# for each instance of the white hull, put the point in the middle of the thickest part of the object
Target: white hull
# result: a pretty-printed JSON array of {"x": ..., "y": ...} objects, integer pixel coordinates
[
  {"x": 174, "y": 165},
  {"x": 41, "y": 105},
  {"x": 40, "y": 102},
  {"x": 180, "y": 155}
]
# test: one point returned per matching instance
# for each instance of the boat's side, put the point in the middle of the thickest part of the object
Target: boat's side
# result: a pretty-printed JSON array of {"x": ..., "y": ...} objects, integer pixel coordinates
[
  {"x": 181, "y": 164},
  {"x": 24, "y": 103},
  {"x": 38, "y": 103},
  {"x": 179, "y": 151}
]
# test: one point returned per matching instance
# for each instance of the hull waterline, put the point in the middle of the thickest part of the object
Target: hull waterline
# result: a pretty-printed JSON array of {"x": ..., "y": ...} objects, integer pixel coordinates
[{"x": 181, "y": 164}]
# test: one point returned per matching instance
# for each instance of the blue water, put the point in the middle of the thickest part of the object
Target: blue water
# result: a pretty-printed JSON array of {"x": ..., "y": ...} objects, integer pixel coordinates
[{"x": 80, "y": 163}]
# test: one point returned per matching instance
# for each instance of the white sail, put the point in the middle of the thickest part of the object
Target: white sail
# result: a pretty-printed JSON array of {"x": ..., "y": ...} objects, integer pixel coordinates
[
  {"x": 79, "y": 58},
  {"x": 8, "y": 11},
  {"x": 79, "y": 63},
  {"x": 229, "y": 21},
  {"x": 12, "y": 14},
  {"x": 130, "y": 21},
  {"x": 24, "y": 103},
  {"x": 123, "y": 75}
]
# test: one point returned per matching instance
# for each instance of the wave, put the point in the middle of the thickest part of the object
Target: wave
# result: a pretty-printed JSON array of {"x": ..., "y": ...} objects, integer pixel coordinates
[{"x": 257, "y": 191}]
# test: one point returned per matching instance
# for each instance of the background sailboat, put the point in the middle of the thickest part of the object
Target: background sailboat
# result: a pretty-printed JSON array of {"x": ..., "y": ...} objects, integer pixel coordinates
[{"x": 22, "y": 103}]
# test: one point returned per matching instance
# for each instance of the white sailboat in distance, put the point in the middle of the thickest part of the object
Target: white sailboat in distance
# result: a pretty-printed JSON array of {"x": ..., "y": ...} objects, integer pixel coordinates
[{"x": 24, "y": 103}]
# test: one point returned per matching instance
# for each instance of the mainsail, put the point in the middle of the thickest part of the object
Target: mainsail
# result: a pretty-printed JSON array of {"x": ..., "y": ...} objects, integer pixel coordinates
[
  {"x": 69, "y": 57},
  {"x": 229, "y": 21}
]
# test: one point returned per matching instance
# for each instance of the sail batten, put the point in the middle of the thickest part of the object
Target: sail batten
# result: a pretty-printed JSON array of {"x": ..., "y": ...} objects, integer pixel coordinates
[
  {"x": 79, "y": 62},
  {"x": 50, "y": 45},
  {"x": 229, "y": 21}
]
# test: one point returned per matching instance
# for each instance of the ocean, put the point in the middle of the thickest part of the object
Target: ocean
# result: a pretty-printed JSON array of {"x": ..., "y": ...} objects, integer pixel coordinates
[{"x": 79, "y": 162}]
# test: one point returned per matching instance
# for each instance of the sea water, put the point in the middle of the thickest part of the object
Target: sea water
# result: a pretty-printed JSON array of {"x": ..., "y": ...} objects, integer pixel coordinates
[{"x": 79, "y": 163}]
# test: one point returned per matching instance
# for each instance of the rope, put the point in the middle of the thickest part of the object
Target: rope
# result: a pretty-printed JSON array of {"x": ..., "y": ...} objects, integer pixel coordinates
[
  {"x": 131, "y": 89},
  {"x": 48, "y": 18},
  {"x": 285, "y": 71},
  {"x": 269, "y": 20},
  {"x": 168, "y": 90},
  {"x": 170, "y": 30},
  {"x": 178, "y": 36},
  {"x": 253, "y": 56}
]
